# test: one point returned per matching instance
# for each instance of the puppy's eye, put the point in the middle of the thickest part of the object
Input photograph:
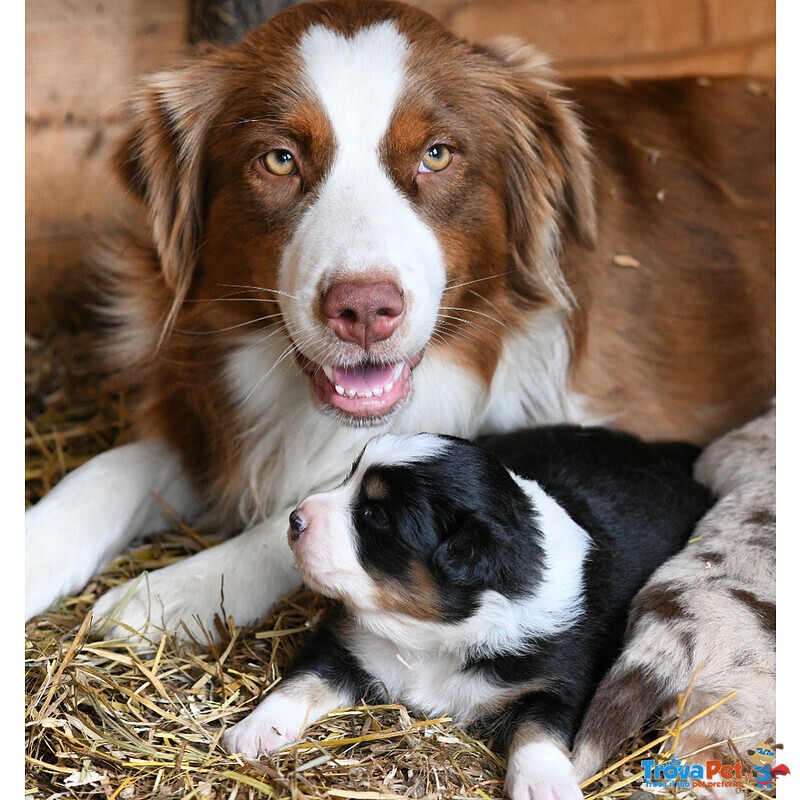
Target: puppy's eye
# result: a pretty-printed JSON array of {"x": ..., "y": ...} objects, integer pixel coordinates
[
  {"x": 436, "y": 159},
  {"x": 279, "y": 162},
  {"x": 375, "y": 514}
]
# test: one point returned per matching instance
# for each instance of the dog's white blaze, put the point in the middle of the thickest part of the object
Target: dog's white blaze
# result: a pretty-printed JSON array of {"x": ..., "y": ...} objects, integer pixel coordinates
[
  {"x": 360, "y": 222},
  {"x": 358, "y": 80}
]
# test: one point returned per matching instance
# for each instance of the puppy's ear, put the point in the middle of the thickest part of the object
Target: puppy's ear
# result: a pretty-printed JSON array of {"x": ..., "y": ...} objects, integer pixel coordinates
[
  {"x": 161, "y": 160},
  {"x": 549, "y": 176},
  {"x": 468, "y": 558}
]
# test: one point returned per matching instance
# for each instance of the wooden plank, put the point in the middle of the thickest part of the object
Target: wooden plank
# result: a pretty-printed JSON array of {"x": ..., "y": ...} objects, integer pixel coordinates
[
  {"x": 737, "y": 20},
  {"x": 628, "y": 37},
  {"x": 757, "y": 59},
  {"x": 81, "y": 57},
  {"x": 570, "y": 29},
  {"x": 68, "y": 174}
]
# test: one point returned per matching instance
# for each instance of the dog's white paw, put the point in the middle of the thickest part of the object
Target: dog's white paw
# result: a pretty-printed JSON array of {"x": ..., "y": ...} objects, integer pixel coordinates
[
  {"x": 240, "y": 578},
  {"x": 154, "y": 603}
]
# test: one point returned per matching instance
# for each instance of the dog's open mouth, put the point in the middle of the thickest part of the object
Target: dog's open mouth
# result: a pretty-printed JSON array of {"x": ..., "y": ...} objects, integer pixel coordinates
[{"x": 366, "y": 391}]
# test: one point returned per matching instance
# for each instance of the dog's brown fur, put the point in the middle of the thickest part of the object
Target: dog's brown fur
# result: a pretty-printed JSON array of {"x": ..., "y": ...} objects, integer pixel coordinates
[{"x": 664, "y": 209}]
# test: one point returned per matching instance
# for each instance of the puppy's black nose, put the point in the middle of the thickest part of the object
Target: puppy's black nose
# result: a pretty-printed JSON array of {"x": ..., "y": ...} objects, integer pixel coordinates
[{"x": 297, "y": 524}]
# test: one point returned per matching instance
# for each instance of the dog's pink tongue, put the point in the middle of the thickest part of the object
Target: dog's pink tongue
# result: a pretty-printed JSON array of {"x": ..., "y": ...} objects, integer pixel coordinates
[{"x": 364, "y": 378}]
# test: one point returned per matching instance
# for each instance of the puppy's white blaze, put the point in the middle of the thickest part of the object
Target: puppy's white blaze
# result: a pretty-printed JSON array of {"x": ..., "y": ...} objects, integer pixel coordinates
[
  {"x": 391, "y": 449},
  {"x": 540, "y": 771},
  {"x": 360, "y": 221}
]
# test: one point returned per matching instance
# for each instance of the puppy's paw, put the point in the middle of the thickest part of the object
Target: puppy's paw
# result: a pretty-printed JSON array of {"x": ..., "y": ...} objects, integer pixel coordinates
[
  {"x": 545, "y": 790},
  {"x": 277, "y": 721},
  {"x": 540, "y": 770}
]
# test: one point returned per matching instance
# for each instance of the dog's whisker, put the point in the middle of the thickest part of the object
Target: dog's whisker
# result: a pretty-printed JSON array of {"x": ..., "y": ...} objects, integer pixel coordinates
[
  {"x": 229, "y": 327},
  {"x": 250, "y": 287},
  {"x": 486, "y": 300},
  {"x": 449, "y": 285},
  {"x": 467, "y": 324},
  {"x": 475, "y": 311}
]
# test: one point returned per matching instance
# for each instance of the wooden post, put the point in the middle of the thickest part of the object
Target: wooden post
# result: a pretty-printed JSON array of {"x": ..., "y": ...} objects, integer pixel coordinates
[{"x": 226, "y": 21}]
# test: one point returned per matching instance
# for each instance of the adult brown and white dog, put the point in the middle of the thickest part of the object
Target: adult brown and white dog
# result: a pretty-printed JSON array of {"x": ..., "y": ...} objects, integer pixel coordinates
[{"x": 355, "y": 222}]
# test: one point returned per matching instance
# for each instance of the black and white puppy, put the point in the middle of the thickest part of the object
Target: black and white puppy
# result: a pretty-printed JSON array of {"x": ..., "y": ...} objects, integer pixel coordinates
[{"x": 490, "y": 583}]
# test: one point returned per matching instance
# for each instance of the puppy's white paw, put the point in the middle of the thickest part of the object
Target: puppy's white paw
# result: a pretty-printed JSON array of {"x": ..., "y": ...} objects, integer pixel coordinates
[
  {"x": 278, "y": 721},
  {"x": 282, "y": 717},
  {"x": 540, "y": 770},
  {"x": 545, "y": 790}
]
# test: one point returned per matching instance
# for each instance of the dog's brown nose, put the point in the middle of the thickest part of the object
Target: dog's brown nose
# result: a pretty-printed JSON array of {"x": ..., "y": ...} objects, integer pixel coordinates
[
  {"x": 363, "y": 313},
  {"x": 297, "y": 524}
]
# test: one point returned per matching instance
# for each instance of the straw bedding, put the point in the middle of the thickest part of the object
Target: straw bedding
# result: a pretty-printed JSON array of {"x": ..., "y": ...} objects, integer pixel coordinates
[{"x": 103, "y": 720}]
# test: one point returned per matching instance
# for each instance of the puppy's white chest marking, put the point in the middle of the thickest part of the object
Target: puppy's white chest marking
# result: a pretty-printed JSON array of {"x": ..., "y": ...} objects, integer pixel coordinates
[{"x": 433, "y": 684}]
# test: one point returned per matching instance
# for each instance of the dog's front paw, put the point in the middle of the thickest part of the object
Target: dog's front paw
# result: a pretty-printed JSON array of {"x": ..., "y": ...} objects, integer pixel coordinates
[
  {"x": 240, "y": 578},
  {"x": 277, "y": 721},
  {"x": 167, "y": 600}
]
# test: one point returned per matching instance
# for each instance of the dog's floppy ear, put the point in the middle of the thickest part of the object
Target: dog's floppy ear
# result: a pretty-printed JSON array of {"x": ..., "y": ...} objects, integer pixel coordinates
[
  {"x": 549, "y": 182},
  {"x": 161, "y": 160},
  {"x": 470, "y": 557}
]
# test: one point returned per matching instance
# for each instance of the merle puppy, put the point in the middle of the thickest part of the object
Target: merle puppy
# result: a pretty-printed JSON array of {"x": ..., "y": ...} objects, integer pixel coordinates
[{"x": 491, "y": 583}]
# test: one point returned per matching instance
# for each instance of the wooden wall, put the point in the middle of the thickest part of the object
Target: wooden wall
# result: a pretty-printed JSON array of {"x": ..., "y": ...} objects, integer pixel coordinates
[{"x": 82, "y": 56}]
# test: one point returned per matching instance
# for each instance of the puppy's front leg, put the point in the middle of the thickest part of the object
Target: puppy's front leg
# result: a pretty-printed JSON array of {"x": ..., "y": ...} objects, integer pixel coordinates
[
  {"x": 326, "y": 677},
  {"x": 539, "y": 767}
]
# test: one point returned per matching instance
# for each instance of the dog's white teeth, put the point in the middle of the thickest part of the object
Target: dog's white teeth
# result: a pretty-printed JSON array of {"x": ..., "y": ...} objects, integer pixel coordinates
[{"x": 378, "y": 391}]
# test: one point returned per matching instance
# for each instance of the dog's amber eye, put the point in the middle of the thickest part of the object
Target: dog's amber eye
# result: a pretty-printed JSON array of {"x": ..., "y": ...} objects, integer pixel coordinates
[
  {"x": 279, "y": 162},
  {"x": 436, "y": 159}
]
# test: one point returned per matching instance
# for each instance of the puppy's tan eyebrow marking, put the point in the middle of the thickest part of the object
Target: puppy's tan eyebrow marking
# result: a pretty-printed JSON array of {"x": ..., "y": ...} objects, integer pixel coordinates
[{"x": 375, "y": 488}]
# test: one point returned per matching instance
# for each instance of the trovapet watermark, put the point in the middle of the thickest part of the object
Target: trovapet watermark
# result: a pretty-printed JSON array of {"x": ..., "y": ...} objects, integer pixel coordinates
[{"x": 760, "y": 771}]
